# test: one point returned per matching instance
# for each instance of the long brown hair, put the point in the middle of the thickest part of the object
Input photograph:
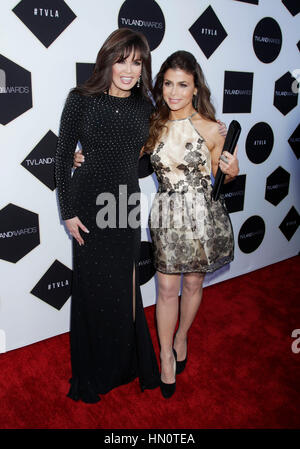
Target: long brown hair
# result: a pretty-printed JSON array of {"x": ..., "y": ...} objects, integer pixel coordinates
[
  {"x": 117, "y": 47},
  {"x": 201, "y": 101}
]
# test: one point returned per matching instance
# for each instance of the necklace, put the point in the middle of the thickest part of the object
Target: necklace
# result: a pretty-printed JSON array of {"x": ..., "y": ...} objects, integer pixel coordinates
[{"x": 185, "y": 118}]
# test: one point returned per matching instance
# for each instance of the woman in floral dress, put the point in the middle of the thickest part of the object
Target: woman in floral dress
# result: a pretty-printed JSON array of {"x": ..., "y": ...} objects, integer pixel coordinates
[{"x": 191, "y": 233}]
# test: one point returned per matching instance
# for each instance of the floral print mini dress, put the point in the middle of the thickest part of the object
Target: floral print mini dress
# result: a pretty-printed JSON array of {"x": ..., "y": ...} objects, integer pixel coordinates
[{"x": 190, "y": 231}]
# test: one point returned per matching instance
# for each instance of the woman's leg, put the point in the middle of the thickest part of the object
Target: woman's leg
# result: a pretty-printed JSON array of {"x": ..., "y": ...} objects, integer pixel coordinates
[
  {"x": 166, "y": 316},
  {"x": 190, "y": 301}
]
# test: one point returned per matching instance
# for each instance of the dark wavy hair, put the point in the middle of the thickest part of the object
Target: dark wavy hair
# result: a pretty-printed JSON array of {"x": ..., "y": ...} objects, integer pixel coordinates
[
  {"x": 201, "y": 101},
  {"x": 117, "y": 47}
]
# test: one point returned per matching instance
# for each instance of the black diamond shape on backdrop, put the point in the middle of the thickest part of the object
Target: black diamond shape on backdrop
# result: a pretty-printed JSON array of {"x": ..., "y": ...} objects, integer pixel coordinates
[
  {"x": 40, "y": 162},
  {"x": 277, "y": 186},
  {"x": 292, "y": 5},
  {"x": 237, "y": 92},
  {"x": 290, "y": 224},
  {"x": 253, "y": 2},
  {"x": 54, "y": 287},
  {"x": 298, "y": 45},
  {"x": 284, "y": 98},
  {"x": 19, "y": 232},
  {"x": 208, "y": 32},
  {"x": 84, "y": 71},
  {"x": 15, "y": 90},
  {"x": 46, "y": 19},
  {"x": 294, "y": 141},
  {"x": 234, "y": 193}
]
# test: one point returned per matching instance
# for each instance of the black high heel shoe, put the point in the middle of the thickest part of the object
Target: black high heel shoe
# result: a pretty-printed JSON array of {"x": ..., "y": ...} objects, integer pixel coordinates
[
  {"x": 167, "y": 390},
  {"x": 180, "y": 365}
]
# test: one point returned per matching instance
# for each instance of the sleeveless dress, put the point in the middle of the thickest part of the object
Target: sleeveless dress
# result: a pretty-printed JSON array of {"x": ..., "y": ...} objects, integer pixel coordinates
[
  {"x": 190, "y": 231},
  {"x": 109, "y": 336}
]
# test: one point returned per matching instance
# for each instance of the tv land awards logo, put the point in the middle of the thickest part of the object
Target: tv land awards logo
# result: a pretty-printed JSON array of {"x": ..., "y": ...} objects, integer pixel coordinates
[
  {"x": 237, "y": 95},
  {"x": 267, "y": 40},
  {"x": 40, "y": 162},
  {"x": 277, "y": 186},
  {"x": 15, "y": 90},
  {"x": 145, "y": 17},
  {"x": 19, "y": 232},
  {"x": 234, "y": 194},
  {"x": 84, "y": 71},
  {"x": 294, "y": 141},
  {"x": 251, "y": 234},
  {"x": 290, "y": 223},
  {"x": 45, "y": 19},
  {"x": 208, "y": 32},
  {"x": 259, "y": 142},
  {"x": 145, "y": 264},
  {"x": 292, "y": 5},
  {"x": 55, "y": 286},
  {"x": 285, "y": 94}
]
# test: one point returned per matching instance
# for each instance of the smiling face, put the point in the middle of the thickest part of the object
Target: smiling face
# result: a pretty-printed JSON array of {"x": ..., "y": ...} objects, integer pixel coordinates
[
  {"x": 178, "y": 91},
  {"x": 125, "y": 75}
]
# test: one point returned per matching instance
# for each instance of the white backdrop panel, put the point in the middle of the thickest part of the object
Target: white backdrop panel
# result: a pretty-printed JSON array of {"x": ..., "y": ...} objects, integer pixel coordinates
[{"x": 25, "y": 318}]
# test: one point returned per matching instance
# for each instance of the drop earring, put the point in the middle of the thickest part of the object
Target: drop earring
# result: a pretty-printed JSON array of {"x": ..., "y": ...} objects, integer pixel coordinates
[
  {"x": 138, "y": 82},
  {"x": 194, "y": 101}
]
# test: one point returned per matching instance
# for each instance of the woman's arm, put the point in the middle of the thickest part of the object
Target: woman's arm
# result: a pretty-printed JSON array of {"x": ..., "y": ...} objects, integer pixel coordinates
[
  {"x": 230, "y": 168},
  {"x": 222, "y": 128},
  {"x": 67, "y": 142}
]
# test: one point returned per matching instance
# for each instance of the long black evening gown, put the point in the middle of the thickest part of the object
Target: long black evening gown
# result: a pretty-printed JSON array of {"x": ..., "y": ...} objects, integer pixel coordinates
[{"x": 109, "y": 336}]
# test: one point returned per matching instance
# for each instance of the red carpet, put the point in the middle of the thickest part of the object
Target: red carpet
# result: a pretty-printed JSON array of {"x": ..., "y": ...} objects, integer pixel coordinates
[{"x": 241, "y": 371}]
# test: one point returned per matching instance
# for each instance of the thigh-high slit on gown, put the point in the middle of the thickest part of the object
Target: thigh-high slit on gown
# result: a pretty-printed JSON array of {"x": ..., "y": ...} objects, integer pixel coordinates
[{"x": 109, "y": 336}]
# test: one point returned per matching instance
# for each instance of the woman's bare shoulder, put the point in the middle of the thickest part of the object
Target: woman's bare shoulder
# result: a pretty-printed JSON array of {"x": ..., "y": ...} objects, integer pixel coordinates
[{"x": 208, "y": 128}]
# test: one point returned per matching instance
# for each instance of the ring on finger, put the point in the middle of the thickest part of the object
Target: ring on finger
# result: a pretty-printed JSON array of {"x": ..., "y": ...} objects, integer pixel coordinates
[{"x": 224, "y": 159}]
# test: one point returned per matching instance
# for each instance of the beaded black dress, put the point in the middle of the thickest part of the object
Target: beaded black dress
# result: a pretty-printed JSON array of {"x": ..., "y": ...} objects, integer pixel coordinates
[{"x": 109, "y": 336}]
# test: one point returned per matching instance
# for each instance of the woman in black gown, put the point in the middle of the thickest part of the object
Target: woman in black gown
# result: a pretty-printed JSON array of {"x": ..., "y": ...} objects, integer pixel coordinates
[{"x": 109, "y": 115}]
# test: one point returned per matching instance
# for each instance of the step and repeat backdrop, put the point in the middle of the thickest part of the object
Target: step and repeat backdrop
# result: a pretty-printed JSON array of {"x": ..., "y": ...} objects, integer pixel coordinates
[{"x": 249, "y": 51}]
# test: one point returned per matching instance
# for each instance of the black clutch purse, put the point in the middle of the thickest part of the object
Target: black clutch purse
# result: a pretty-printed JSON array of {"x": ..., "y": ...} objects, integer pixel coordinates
[{"x": 231, "y": 139}]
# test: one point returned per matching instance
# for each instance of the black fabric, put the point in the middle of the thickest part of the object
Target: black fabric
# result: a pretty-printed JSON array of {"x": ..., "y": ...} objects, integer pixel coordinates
[{"x": 108, "y": 347}]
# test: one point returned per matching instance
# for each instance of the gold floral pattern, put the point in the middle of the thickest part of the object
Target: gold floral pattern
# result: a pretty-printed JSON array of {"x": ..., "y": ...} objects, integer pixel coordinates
[{"x": 190, "y": 231}]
